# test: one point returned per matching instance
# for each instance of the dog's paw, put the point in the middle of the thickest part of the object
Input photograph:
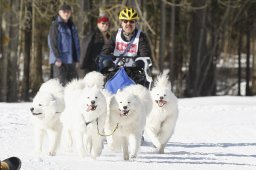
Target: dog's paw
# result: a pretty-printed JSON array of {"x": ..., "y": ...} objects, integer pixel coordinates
[
  {"x": 51, "y": 153},
  {"x": 161, "y": 150},
  {"x": 132, "y": 157},
  {"x": 157, "y": 144},
  {"x": 126, "y": 157}
]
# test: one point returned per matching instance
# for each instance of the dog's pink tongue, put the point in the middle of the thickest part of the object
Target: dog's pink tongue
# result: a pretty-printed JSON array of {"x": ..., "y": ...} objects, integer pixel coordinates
[
  {"x": 161, "y": 103},
  {"x": 122, "y": 113},
  {"x": 88, "y": 108}
]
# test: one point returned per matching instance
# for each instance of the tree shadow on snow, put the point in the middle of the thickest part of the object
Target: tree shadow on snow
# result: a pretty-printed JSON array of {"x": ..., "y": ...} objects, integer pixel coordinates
[{"x": 187, "y": 153}]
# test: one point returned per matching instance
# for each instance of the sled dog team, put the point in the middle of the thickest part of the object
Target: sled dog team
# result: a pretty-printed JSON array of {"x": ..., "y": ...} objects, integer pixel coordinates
[{"x": 83, "y": 114}]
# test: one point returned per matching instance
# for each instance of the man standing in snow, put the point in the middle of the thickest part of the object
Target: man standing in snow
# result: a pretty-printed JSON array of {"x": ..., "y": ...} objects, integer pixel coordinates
[{"x": 64, "y": 46}]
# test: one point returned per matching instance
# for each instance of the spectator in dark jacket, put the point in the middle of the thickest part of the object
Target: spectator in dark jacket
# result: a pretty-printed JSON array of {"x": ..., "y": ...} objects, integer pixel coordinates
[
  {"x": 93, "y": 43},
  {"x": 64, "y": 46}
]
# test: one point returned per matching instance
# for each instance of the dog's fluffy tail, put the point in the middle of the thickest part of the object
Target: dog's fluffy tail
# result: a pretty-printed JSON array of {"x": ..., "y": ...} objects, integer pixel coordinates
[
  {"x": 72, "y": 90},
  {"x": 162, "y": 80},
  {"x": 74, "y": 85},
  {"x": 54, "y": 87},
  {"x": 94, "y": 78}
]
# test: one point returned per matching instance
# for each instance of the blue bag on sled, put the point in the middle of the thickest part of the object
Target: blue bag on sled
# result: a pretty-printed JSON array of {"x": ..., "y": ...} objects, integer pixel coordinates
[{"x": 119, "y": 81}]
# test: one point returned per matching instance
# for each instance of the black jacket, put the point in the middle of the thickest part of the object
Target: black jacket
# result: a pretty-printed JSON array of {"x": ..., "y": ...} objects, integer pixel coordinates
[
  {"x": 143, "y": 49},
  {"x": 63, "y": 41},
  {"x": 91, "y": 47}
]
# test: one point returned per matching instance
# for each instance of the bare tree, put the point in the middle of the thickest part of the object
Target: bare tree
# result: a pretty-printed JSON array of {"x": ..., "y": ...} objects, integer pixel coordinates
[
  {"x": 27, "y": 49},
  {"x": 4, "y": 40},
  {"x": 199, "y": 61},
  {"x": 248, "y": 54},
  {"x": 13, "y": 48},
  {"x": 162, "y": 45},
  {"x": 36, "y": 54},
  {"x": 239, "y": 61}
]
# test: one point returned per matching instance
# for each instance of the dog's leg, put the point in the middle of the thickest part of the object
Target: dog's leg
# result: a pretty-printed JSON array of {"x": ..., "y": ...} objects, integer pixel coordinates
[
  {"x": 68, "y": 142},
  {"x": 134, "y": 144},
  {"x": 125, "y": 148},
  {"x": 152, "y": 134},
  {"x": 96, "y": 146},
  {"x": 78, "y": 135},
  {"x": 166, "y": 132},
  {"x": 161, "y": 149},
  {"x": 52, "y": 135},
  {"x": 87, "y": 143},
  {"x": 38, "y": 138}
]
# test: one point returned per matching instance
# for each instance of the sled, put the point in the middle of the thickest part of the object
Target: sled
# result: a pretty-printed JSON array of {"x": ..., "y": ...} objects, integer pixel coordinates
[{"x": 123, "y": 73}]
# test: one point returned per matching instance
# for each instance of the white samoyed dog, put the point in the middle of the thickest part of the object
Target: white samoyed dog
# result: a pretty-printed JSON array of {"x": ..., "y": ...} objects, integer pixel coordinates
[
  {"x": 161, "y": 121},
  {"x": 128, "y": 109},
  {"x": 84, "y": 116},
  {"x": 46, "y": 110}
]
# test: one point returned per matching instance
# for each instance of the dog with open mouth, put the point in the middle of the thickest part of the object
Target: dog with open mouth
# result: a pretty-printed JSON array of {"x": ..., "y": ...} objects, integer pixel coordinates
[
  {"x": 47, "y": 106},
  {"x": 161, "y": 121},
  {"x": 94, "y": 114},
  {"x": 128, "y": 109},
  {"x": 84, "y": 116}
]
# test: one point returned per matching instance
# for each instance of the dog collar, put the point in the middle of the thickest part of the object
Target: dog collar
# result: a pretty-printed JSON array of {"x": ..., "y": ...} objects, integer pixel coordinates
[{"x": 87, "y": 123}]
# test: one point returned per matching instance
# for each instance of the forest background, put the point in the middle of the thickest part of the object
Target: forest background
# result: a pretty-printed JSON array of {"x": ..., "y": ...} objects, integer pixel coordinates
[{"x": 209, "y": 46}]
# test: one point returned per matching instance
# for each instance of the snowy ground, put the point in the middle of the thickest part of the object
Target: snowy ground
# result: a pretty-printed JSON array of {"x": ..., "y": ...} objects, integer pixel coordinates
[{"x": 211, "y": 133}]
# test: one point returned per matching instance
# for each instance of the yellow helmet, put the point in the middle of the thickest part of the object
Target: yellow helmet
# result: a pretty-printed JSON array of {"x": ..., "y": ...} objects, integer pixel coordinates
[{"x": 128, "y": 14}]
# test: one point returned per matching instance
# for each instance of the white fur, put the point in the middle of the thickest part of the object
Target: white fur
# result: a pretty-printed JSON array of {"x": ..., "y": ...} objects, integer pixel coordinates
[
  {"x": 161, "y": 121},
  {"x": 130, "y": 127},
  {"x": 94, "y": 78},
  {"x": 46, "y": 109},
  {"x": 78, "y": 100},
  {"x": 72, "y": 120},
  {"x": 93, "y": 139}
]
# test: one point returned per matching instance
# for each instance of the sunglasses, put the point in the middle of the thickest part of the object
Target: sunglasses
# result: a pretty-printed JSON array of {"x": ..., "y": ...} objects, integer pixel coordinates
[{"x": 131, "y": 21}]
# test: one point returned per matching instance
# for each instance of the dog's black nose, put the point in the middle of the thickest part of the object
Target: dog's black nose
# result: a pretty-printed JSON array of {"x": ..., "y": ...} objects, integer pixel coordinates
[
  {"x": 93, "y": 102},
  {"x": 32, "y": 109},
  {"x": 161, "y": 98},
  {"x": 125, "y": 107}
]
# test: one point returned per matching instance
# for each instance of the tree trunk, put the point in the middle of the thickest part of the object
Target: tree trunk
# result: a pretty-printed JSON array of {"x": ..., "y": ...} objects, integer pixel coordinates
[
  {"x": 200, "y": 76},
  {"x": 36, "y": 56},
  {"x": 4, "y": 41},
  {"x": 239, "y": 62},
  {"x": 173, "y": 43},
  {"x": 12, "y": 69},
  {"x": 88, "y": 7},
  {"x": 162, "y": 46},
  {"x": 27, "y": 50},
  {"x": 248, "y": 53},
  {"x": 178, "y": 52},
  {"x": 254, "y": 66},
  {"x": 254, "y": 74}
]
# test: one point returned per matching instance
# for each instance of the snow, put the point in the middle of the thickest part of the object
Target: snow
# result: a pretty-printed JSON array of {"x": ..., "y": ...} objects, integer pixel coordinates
[{"x": 212, "y": 133}]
